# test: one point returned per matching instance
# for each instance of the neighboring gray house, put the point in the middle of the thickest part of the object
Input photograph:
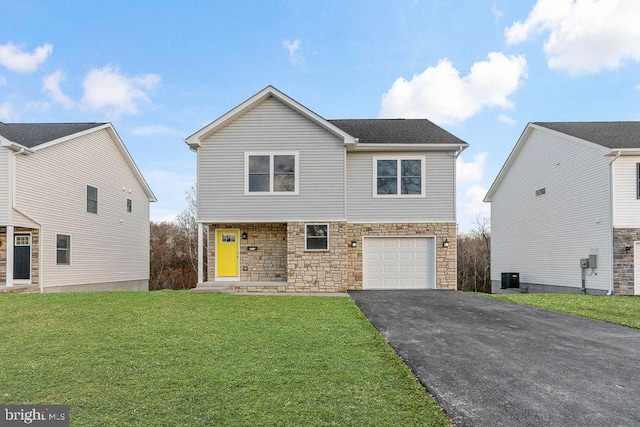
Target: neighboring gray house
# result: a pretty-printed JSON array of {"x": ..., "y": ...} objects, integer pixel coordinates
[
  {"x": 297, "y": 203},
  {"x": 569, "y": 191},
  {"x": 74, "y": 209}
]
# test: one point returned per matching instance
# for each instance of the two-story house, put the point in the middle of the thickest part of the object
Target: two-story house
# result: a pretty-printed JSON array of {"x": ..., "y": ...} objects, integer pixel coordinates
[
  {"x": 293, "y": 202},
  {"x": 565, "y": 209},
  {"x": 74, "y": 210}
]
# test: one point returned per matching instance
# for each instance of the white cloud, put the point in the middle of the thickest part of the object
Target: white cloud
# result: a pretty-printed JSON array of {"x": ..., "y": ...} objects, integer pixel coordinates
[
  {"x": 170, "y": 187},
  {"x": 441, "y": 95},
  {"x": 6, "y": 112},
  {"x": 154, "y": 130},
  {"x": 503, "y": 118},
  {"x": 468, "y": 172},
  {"x": 584, "y": 36},
  {"x": 471, "y": 206},
  {"x": 292, "y": 47},
  {"x": 14, "y": 59},
  {"x": 107, "y": 88},
  {"x": 51, "y": 86},
  {"x": 497, "y": 14}
]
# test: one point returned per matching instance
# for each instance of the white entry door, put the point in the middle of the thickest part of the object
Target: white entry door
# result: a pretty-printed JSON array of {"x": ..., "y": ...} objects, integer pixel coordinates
[{"x": 398, "y": 262}]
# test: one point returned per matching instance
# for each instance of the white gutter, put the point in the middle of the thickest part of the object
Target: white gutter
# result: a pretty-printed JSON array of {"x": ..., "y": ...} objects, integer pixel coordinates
[
  {"x": 15, "y": 208},
  {"x": 612, "y": 230}
]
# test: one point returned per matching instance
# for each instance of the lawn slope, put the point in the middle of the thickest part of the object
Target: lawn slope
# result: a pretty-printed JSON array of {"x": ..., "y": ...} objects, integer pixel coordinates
[{"x": 178, "y": 358}]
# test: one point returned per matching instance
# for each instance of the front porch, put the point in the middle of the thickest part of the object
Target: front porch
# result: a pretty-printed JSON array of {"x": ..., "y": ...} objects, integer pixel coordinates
[
  {"x": 19, "y": 259},
  {"x": 227, "y": 286}
]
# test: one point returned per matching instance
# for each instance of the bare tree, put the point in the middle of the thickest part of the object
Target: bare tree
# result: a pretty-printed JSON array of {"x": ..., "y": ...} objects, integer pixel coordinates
[
  {"x": 474, "y": 258},
  {"x": 174, "y": 249}
]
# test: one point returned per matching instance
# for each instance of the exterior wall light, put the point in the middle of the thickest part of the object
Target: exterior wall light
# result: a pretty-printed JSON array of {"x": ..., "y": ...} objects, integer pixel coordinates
[
  {"x": 627, "y": 248},
  {"x": 354, "y": 243},
  {"x": 244, "y": 235},
  {"x": 445, "y": 243}
]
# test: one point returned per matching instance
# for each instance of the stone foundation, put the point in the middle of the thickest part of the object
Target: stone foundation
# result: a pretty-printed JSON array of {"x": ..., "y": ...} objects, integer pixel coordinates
[{"x": 623, "y": 263}]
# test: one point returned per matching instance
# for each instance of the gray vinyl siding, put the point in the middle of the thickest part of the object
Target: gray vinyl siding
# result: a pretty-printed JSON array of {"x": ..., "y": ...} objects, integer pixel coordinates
[
  {"x": 625, "y": 193},
  {"x": 5, "y": 203},
  {"x": 271, "y": 127},
  {"x": 544, "y": 237},
  {"x": 109, "y": 246},
  {"x": 438, "y": 204}
]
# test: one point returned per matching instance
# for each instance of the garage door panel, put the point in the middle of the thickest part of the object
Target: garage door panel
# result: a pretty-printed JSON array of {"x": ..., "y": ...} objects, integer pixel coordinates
[{"x": 399, "y": 262}]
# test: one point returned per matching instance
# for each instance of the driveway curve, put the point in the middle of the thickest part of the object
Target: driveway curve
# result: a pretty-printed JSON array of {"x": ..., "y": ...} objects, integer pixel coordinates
[{"x": 494, "y": 363}]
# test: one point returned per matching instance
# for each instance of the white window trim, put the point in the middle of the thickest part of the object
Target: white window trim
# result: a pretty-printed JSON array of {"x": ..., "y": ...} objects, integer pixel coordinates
[
  {"x": 56, "y": 244},
  {"x": 30, "y": 245},
  {"x": 86, "y": 199},
  {"x": 399, "y": 194},
  {"x": 271, "y": 154},
  {"x": 328, "y": 236}
]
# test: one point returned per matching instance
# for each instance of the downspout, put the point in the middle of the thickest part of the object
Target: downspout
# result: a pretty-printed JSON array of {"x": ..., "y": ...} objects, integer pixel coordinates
[
  {"x": 611, "y": 239},
  {"x": 15, "y": 208}
]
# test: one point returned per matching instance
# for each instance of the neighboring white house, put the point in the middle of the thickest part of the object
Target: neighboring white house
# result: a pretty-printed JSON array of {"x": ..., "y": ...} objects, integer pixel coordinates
[
  {"x": 74, "y": 209},
  {"x": 566, "y": 205},
  {"x": 297, "y": 203}
]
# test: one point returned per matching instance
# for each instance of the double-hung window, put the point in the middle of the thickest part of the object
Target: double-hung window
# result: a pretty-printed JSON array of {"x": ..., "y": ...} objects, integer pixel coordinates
[
  {"x": 63, "y": 249},
  {"x": 271, "y": 173},
  {"x": 638, "y": 180},
  {"x": 398, "y": 176},
  {"x": 92, "y": 199},
  {"x": 316, "y": 237}
]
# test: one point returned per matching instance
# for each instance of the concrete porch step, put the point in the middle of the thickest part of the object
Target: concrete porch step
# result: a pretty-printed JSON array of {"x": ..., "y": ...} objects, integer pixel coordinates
[{"x": 228, "y": 286}]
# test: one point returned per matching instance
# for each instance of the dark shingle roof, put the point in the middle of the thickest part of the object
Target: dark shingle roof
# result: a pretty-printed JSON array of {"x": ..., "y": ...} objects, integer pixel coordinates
[
  {"x": 33, "y": 134},
  {"x": 608, "y": 134},
  {"x": 396, "y": 131}
]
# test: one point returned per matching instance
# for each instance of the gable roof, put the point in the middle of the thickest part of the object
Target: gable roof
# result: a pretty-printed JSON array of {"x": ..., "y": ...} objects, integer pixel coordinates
[
  {"x": 387, "y": 134},
  {"x": 195, "y": 140},
  {"x": 397, "y": 131},
  {"x": 612, "y": 135},
  {"x": 608, "y": 134},
  {"x": 31, "y": 135},
  {"x": 36, "y": 136}
]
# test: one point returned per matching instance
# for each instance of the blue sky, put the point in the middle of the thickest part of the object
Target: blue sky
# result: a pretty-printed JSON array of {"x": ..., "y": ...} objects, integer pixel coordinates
[{"x": 160, "y": 70}]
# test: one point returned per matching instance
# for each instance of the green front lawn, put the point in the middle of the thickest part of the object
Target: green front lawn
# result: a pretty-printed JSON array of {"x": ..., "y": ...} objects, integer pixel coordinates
[
  {"x": 623, "y": 310},
  {"x": 177, "y": 358}
]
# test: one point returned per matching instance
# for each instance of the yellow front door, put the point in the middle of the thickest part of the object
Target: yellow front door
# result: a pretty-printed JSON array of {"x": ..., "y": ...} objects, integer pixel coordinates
[{"x": 227, "y": 253}]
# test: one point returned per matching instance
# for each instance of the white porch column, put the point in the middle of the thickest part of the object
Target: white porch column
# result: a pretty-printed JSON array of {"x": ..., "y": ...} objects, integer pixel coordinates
[
  {"x": 200, "y": 254},
  {"x": 10, "y": 243}
]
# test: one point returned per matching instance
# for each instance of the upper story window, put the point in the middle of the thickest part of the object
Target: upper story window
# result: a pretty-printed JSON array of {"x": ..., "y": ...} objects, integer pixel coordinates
[
  {"x": 399, "y": 176},
  {"x": 92, "y": 199},
  {"x": 129, "y": 206},
  {"x": 638, "y": 180},
  {"x": 271, "y": 173}
]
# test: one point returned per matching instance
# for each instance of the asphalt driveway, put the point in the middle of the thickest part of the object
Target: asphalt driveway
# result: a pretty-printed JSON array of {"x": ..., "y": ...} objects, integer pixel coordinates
[{"x": 495, "y": 363}]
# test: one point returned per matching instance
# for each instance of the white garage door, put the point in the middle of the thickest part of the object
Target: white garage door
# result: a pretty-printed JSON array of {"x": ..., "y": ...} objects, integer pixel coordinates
[{"x": 399, "y": 262}]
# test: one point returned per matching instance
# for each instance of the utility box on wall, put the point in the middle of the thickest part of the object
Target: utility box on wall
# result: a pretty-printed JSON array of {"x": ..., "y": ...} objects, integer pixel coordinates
[{"x": 510, "y": 280}]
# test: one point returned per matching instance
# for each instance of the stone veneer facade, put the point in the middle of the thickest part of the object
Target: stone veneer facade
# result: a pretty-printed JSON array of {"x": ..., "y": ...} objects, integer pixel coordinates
[
  {"x": 623, "y": 263},
  {"x": 281, "y": 255},
  {"x": 35, "y": 257},
  {"x": 446, "y": 259}
]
